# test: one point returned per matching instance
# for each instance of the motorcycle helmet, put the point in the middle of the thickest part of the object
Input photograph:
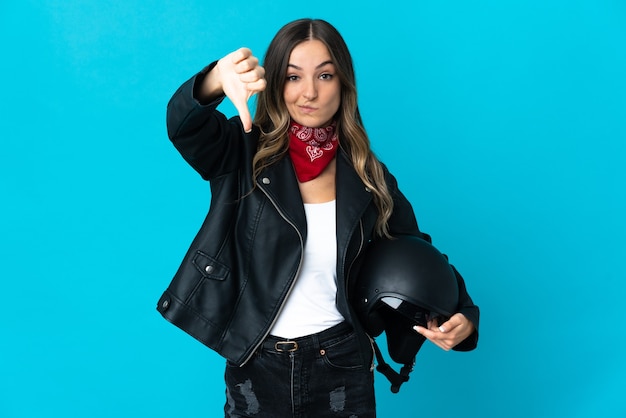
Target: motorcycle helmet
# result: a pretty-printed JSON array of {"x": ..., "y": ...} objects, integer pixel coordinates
[{"x": 402, "y": 282}]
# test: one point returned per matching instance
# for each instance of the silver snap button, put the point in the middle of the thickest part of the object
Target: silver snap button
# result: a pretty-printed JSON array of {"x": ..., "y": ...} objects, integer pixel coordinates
[
  {"x": 208, "y": 269},
  {"x": 367, "y": 189},
  {"x": 265, "y": 180},
  {"x": 165, "y": 304}
]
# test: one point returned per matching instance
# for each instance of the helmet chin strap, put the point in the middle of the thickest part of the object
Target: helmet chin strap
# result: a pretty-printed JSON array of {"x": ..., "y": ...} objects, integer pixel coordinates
[{"x": 396, "y": 379}]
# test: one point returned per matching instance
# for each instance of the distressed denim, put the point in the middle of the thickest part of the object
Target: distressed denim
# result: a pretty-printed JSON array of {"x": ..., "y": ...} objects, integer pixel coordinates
[{"x": 317, "y": 376}]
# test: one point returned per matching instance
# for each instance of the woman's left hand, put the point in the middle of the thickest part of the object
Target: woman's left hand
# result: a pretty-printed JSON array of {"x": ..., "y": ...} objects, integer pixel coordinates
[{"x": 448, "y": 334}]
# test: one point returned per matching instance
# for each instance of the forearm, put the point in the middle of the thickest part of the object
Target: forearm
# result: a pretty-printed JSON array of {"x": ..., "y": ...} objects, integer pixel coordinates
[{"x": 202, "y": 134}]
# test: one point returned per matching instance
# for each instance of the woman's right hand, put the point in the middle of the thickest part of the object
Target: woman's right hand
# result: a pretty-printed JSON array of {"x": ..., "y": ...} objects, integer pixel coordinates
[{"x": 239, "y": 76}]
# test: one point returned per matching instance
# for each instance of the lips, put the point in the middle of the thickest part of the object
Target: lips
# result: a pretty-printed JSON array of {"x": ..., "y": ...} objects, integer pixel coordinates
[{"x": 307, "y": 109}]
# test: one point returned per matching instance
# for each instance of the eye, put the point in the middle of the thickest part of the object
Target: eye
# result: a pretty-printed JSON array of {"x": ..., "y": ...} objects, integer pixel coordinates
[
  {"x": 292, "y": 78},
  {"x": 326, "y": 76}
]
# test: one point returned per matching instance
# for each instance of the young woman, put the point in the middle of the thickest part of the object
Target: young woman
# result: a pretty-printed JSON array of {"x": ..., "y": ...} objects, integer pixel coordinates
[{"x": 296, "y": 197}]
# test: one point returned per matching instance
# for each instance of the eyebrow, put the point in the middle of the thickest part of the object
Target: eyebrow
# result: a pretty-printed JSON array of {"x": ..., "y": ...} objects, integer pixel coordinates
[{"x": 319, "y": 66}]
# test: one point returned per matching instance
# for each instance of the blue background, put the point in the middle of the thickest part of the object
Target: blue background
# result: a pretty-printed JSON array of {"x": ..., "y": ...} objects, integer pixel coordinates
[{"x": 504, "y": 122}]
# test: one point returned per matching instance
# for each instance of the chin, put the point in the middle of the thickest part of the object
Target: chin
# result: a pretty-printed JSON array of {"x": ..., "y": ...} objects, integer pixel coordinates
[{"x": 313, "y": 122}]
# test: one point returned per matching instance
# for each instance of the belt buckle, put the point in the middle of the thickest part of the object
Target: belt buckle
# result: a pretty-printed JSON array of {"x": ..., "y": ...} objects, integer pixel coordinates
[{"x": 293, "y": 346}]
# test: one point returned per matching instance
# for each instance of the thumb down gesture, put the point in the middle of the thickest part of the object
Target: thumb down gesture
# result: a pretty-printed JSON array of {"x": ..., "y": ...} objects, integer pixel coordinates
[{"x": 240, "y": 77}]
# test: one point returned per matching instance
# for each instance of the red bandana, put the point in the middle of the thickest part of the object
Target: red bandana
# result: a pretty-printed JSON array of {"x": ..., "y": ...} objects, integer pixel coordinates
[{"x": 311, "y": 149}]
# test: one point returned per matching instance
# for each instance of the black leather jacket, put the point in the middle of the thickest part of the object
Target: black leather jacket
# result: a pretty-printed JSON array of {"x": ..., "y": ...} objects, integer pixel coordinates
[{"x": 242, "y": 264}]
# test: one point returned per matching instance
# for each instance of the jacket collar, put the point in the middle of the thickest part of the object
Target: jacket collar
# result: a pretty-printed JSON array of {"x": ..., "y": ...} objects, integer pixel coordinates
[{"x": 279, "y": 183}]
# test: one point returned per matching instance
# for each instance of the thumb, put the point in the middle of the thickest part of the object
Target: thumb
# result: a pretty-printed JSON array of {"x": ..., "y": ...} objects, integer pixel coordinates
[{"x": 244, "y": 114}]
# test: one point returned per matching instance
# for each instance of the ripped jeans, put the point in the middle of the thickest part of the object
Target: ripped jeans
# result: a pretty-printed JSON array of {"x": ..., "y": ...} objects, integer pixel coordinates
[{"x": 317, "y": 376}]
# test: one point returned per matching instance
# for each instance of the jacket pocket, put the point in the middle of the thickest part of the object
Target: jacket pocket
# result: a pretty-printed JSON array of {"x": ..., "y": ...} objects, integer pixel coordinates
[
  {"x": 209, "y": 267},
  {"x": 215, "y": 295}
]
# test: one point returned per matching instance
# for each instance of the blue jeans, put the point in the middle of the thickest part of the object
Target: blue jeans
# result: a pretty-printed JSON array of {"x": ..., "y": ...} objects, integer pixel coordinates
[{"x": 317, "y": 376}]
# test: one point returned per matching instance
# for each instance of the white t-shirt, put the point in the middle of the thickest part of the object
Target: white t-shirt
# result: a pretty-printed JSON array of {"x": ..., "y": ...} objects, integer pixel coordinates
[{"x": 310, "y": 307}]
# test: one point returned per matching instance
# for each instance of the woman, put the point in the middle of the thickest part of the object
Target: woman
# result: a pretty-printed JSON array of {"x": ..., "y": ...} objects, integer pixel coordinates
[{"x": 296, "y": 197}]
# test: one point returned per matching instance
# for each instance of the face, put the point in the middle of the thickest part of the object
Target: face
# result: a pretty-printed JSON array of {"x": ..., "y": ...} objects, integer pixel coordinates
[{"x": 312, "y": 89}]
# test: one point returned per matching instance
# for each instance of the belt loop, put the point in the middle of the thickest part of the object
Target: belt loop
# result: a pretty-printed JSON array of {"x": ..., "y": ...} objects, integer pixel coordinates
[{"x": 316, "y": 342}]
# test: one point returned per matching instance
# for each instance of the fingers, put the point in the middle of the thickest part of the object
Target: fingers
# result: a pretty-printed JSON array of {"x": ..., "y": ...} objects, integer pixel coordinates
[
  {"x": 435, "y": 336},
  {"x": 240, "y": 55},
  {"x": 242, "y": 78},
  {"x": 446, "y": 327},
  {"x": 257, "y": 86},
  {"x": 243, "y": 60},
  {"x": 449, "y": 334},
  {"x": 251, "y": 76},
  {"x": 247, "y": 66}
]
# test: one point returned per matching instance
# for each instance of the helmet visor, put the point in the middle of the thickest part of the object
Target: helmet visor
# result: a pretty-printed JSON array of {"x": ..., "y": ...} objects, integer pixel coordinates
[{"x": 408, "y": 310}]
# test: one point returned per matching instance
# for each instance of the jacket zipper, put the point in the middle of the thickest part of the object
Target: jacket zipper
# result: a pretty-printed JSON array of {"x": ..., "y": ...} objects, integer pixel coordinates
[{"x": 280, "y": 212}]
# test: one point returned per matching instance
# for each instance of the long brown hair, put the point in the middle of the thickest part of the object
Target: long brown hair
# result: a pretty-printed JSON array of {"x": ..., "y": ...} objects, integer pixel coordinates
[{"x": 273, "y": 118}]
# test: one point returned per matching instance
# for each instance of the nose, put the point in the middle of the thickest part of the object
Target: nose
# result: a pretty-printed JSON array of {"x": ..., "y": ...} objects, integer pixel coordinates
[{"x": 310, "y": 90}]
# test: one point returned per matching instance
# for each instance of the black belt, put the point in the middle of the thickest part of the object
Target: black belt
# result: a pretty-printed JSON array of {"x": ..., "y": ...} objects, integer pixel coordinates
[{"x": 308, "y": 342}]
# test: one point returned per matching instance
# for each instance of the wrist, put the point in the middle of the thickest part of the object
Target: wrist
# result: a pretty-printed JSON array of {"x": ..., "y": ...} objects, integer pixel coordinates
[{"x": 208, "y": 86}]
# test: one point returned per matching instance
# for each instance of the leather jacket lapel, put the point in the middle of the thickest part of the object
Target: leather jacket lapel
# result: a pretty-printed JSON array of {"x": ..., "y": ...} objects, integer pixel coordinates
[
  {"x": 352, "y": 198},
  {"x": 279, "y": 183}
]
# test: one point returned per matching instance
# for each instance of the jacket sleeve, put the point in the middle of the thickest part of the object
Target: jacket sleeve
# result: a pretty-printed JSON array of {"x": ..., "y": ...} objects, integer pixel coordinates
[
  {"x": 471, "y": 312},
  {"x": 403, "y": 222},
  {"x": 205, "y": 138}
]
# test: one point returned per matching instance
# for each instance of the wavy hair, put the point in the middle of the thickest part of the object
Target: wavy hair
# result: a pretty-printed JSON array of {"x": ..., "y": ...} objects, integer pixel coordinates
[{"x": 273, "y": 118}]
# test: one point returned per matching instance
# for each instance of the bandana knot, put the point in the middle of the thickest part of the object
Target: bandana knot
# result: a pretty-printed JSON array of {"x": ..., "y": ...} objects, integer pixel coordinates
[{"x": 311, "y": 149}]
